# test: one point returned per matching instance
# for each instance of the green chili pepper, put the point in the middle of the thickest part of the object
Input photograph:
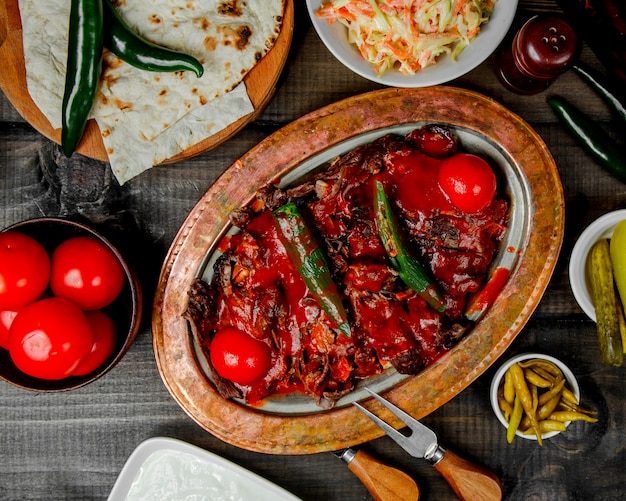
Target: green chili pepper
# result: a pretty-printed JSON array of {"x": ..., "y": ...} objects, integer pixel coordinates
[
  {"x": 84, "y": 65},
  {"x": 602, "y": 87},
  {"x": 408, "y": 267},
  {"x": 130, "y": 47},
  {"x": 592, "y": 138},
  {"x": 309, "y": 260}
]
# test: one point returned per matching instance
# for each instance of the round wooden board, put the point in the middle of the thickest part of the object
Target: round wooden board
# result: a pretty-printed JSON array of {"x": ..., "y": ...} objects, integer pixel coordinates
[
  {"x": 280, "y": 154},
  {"x": 260, "y": 83}
]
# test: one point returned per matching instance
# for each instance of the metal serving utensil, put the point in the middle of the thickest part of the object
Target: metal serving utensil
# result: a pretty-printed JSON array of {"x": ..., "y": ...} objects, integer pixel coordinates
[
  {"x": 384, "y": 482},
  {"x": 469, "y": 481}
]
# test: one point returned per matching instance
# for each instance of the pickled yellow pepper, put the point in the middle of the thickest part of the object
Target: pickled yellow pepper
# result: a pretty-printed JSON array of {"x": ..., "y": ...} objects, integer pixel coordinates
[
  {"x": 515, "y": 419},
  {"x": 541, "y": 401},
  {"x": 523, "y": 392}
]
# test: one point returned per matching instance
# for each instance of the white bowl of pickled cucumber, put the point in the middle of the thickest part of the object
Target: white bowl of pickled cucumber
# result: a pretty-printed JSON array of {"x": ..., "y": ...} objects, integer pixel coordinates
[
  {"x": 536, "y": 397},
  {"x": 579, "y": 265}
]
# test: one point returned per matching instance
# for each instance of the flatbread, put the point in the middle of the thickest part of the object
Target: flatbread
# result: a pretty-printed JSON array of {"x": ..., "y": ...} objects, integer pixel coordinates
[
  {"x": 129, "y": 159},
  {"x": 44, "y": 37},
  {"x": 228, "y": 45},
  {"x": 139, "y": 113}
]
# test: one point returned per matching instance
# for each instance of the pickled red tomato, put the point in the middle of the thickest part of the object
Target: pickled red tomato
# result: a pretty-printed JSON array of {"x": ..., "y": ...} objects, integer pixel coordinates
[
  {"x": 104, "y": 340},
  {"x": 238, "y": 357},
  {"x": 468, "y": 181},
  {"x": 24, "y": 270},
  {"x": 49, "y": 338},
  {"x": 6, "y": 319},
  {"x": 434, "y": 140},
  {"x": 87, "y": 272}
]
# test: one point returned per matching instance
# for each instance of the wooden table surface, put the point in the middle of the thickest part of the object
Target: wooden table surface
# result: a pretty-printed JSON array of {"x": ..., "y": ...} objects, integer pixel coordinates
[{"x": 72, "y": 445}]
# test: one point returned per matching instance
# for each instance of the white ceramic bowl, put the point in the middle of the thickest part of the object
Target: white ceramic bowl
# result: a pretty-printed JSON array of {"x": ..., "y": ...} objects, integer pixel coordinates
[
  {"x": 578, "y": 276},
  {"x": 572, "y": 384},
  {"x": 335, "y": 37}
]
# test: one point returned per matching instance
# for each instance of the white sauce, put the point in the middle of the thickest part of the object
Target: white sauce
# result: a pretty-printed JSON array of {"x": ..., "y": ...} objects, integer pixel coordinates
[{"x": 169, "y": 475}]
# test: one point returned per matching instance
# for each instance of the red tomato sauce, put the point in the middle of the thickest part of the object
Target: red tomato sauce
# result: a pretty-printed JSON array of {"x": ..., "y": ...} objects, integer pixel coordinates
[{"x": 258, "y": 290}]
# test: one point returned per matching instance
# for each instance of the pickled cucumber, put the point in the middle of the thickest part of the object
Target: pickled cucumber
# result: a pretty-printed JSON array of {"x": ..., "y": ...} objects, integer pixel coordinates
[{"x": 603, "y": 288}]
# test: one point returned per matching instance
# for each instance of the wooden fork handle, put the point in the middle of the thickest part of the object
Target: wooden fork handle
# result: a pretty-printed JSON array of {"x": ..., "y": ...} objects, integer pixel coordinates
[
  {"x": 382, "y": 481},
  {"x": 470, "y": 481}
]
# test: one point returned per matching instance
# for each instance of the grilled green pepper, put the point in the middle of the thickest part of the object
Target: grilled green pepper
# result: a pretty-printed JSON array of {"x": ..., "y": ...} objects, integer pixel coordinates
[
  {"x": 130, "y": 47},
  {"x": 309, "y": 260},
  {"x": 592, "y": 138},
  {"x": 84, "y": 65},
  {"x": 408, "y": 267}
]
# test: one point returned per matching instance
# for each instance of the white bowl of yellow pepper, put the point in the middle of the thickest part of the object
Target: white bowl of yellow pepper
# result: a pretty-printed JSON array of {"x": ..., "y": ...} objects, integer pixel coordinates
[{"x": 535, "y": 397}]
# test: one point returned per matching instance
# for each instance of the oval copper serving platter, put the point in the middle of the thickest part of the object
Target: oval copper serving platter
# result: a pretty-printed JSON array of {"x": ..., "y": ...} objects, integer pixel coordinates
[
  {"x": 260, "y": 83},
  {"x": 279, "y": 158}
]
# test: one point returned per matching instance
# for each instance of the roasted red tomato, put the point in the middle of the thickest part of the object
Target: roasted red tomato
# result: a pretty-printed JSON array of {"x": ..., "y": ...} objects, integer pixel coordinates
[
  {"x": 87, "y": 272},
  {"x": 6, "y": 319},
  {"x": 49, "y": 338},
  {"x": 104, "y": 339},
  {"x": 24, "y": 270},
  {"x": 434, "y": 140},
  {"x": 468, "y": 181},
  {"x": 239, "y": 357}
]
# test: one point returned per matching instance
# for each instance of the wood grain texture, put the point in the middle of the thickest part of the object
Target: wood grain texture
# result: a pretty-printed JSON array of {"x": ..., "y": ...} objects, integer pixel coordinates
[
  {"x": 72, "y": 446},
  {"x": 469, "y": 481},
  {"x": 382, "y": 481}
]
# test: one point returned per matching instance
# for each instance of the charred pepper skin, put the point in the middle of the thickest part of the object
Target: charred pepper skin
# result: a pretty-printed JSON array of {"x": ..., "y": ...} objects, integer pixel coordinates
[
  {"x": 594, "y": 140},
  {"x": 84, "y": 65},
  {"x": 408, "y": 267},
  {"x": 310, "y": 261},
  {"x": 130, "y": 47}
]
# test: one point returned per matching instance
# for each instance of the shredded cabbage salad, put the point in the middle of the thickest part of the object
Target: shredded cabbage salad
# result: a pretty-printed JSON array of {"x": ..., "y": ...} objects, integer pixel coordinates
[{"x": 408, "y": 35}]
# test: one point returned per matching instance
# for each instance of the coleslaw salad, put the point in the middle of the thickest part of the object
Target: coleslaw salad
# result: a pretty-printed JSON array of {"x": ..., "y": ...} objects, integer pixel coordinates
[{"x": 408, "y": 35}]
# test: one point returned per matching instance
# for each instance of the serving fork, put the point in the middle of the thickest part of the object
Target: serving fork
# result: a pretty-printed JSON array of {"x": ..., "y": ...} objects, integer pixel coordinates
[{"x": 469, "y": 481}]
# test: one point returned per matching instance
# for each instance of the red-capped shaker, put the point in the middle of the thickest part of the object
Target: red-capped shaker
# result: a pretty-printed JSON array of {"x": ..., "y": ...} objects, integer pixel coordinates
[{"x": 544, "y": 47}]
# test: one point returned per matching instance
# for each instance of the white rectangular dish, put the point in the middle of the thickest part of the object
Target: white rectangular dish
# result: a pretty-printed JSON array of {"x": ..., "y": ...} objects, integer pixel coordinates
[{"x": 161, "y": 469}]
